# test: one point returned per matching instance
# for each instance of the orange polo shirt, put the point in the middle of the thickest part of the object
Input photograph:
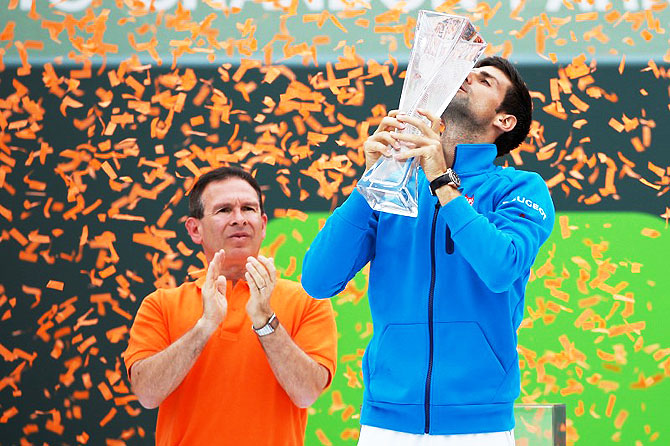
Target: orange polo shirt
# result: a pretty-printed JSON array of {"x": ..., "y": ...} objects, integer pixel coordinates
[{"x": 231, "y": 396}]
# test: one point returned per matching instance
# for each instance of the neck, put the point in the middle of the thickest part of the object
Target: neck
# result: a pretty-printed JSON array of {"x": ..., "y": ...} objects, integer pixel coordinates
[
  {"x": 455, "y": 134},
  {"x": 451, "y": 137},
  {"x": 234, "y": 272}
]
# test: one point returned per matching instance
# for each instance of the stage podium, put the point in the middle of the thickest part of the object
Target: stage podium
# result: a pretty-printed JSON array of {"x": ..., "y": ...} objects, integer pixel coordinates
[{"x": 539, "y": 424}]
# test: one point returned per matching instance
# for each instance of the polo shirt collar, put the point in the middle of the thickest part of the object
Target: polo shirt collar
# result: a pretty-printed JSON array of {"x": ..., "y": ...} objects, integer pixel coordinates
[{"x": 200, "y": 281}]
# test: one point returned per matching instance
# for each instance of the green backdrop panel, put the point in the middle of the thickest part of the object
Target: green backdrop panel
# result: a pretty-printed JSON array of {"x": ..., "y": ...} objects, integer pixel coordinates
[{"x": 593, "y": 336}]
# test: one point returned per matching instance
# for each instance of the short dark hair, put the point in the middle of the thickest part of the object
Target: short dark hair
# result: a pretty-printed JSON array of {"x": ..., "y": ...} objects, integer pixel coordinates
[
  {"x": 516, "y": 102},
  {"x": 195, "y": 206}
]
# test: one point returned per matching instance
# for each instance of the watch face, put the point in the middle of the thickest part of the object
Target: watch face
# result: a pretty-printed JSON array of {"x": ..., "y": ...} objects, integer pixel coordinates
[
  {"x": 267, "y": 328},
  {"x": 454, "y": 177}
]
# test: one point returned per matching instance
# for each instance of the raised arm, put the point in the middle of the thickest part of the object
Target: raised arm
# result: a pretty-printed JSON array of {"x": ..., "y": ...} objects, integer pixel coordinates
[
  {"x": 154, "y": 378},
  {"x": 347, "y": 241},
  {"x": 344, "y": 246},
  {"x": 502, "y": 245}
]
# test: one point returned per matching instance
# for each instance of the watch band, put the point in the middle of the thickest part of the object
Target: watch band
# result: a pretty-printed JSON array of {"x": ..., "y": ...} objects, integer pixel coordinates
[
  {"x": 269, "y": 327},
  {"x": 448, "y": 177}
]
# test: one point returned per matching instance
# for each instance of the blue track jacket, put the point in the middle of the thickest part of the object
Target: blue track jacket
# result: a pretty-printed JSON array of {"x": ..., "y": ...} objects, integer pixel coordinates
[{"x": 446, "y": 293}]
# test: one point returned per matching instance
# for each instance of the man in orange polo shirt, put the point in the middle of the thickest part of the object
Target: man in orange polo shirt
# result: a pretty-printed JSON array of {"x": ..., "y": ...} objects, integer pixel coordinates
[{"x": 237, "y": 356}]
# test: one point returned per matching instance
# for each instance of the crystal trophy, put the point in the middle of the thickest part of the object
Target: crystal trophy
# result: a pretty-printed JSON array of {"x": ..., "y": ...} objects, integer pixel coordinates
[{"x": 446, "y": 48}]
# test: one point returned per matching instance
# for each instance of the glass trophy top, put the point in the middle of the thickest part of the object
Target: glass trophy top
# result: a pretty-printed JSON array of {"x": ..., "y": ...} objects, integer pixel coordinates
[{"x": 446, "y": 48}]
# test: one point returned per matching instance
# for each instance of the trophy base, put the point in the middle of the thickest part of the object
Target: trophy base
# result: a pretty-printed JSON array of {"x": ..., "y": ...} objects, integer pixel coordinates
[{"x": 386, "y": 195}]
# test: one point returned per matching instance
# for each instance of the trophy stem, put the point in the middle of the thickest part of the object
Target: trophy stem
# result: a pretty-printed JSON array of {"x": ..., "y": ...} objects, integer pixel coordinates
[{"x": 391, "y": 186}]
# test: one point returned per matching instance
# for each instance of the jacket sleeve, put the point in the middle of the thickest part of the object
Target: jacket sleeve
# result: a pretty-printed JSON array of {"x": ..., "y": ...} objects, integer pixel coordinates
[
  {"x": 344, "y": 246},
  {"x": 501, "y": 246}
]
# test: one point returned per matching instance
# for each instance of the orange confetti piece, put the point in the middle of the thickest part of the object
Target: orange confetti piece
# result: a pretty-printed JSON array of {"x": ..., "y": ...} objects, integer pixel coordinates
[
  {"x": 587, "y": 16},
  {"x": 620, "y": 418},
  {"x": 627, "y": 328},
  {"x": 109, "y": 170},
  {"x": 6, "y": 213},
  {"x": 197, "y": 120},
  {"x": 581, "y": 105},
  {"x": 54, "y": 423},
  {"x": 558, "y": 178},
  {"x": 610, "y": 405},
  {"x": 108, "y": 417},
  {"x": 616, "y": 125},
  {"x": 104, "y": 390},
  {"x": 564, "y": 225},
  {"x": 69, "y": 102},
  {"x": 651, "y": 233},
  {"x": 55, "y": 285}
]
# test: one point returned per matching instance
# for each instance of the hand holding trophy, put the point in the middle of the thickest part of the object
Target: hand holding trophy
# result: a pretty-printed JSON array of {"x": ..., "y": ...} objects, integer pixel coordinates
[{"x": 446, "y": 48}]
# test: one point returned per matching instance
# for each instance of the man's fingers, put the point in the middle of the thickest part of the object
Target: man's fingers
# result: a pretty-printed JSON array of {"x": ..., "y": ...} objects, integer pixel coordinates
[
  {"x": 211, "y": 269},
  {"x": 371, "y": 147},
  {"x": 221, "y": 285},
  {"x": 214, "y": 268},
  {"x": 383, "y": 138},
  {"x": 258, "y": 272},
  {"x": 419, "y": 124},
  {"x": 418, "y": 140},
  {"x": 407, "y": 154},
  {"x": 389, "y": 122},
  {"x": 253, "y": 290},
  {"x": 269, "y": 265},
  {"x": 435, "y": 121}
]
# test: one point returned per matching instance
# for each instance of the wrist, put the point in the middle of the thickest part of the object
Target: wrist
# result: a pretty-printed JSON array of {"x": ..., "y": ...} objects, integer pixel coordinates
[
  {"x": 269, "y": 327},
  {"x": 206, "y": 326},
  {"x": 260, "y": 317},
  {"x": 448, "y": 178},
  {"x": 446, "y": 193}
]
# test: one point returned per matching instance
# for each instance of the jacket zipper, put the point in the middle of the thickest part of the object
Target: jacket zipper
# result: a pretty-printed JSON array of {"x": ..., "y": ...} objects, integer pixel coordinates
[
  {"x": 430, "y": 318},
  {"x": 449, "y": 244}
]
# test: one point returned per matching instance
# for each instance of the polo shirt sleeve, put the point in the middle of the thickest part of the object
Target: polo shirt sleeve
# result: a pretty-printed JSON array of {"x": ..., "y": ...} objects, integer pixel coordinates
[
  {"x": 149, "y": 333},
  {"x": 317, "y": 333}
]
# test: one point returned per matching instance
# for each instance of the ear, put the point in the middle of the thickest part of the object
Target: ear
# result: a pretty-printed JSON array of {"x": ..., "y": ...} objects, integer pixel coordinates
[
  {"x": 193, "y": 228},
  {"x": 504, "y": 122},
  {"x": 264, "y": 224}
]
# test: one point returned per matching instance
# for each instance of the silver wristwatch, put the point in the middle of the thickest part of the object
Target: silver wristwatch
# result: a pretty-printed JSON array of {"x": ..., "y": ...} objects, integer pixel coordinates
[{"x": 268, "y": 328}]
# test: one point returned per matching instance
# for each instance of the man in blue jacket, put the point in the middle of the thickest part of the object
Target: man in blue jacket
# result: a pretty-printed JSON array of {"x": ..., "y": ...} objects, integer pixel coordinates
[{"x": 446, "y": 289}]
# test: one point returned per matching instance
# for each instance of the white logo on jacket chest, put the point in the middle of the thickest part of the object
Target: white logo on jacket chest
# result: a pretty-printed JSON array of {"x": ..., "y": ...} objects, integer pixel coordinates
[{"x": 530, "y": 203}]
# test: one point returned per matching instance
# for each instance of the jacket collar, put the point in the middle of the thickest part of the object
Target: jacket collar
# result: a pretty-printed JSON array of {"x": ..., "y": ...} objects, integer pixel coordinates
[{"x": 471, "y": 158}]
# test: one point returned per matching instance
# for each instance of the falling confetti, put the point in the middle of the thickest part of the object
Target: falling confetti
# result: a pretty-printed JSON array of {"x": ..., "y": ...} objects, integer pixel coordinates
[{"x": 98, "y": 155}]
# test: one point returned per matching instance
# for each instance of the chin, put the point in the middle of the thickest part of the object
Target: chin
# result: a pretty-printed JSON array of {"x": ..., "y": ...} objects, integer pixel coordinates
[
  {"x": 241, "y": 252},
  {"x": 237, "y": 250}
]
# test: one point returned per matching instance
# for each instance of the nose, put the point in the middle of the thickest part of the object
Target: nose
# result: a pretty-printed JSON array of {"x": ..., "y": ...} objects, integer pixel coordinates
[
  {"x": 470, "y": 77},
  {"x": 238, "y": 217}
]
